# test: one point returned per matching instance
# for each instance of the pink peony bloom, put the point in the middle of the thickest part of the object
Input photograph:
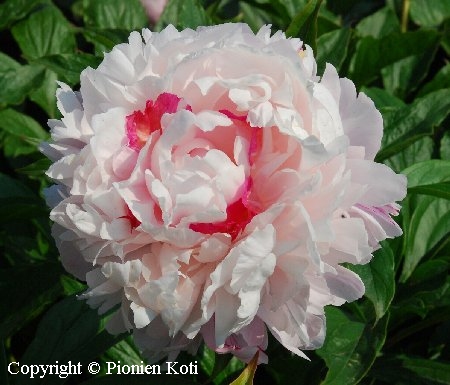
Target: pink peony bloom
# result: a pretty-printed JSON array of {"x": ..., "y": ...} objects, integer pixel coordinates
[
  {"x": 210, "y": 185},
  {"x": 154, "y": 9}
]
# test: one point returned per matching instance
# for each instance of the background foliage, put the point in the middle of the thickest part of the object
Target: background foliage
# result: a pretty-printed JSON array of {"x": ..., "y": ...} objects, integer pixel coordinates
[{"x": 395, "y": 51}]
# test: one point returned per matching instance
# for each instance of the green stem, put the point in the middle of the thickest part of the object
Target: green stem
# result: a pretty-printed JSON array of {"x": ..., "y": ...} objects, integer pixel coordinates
[{"x": 405, "y": 14}]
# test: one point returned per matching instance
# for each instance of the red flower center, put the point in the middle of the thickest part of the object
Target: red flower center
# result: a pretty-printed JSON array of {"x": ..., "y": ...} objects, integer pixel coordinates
[
  {"x": 240, "y": 212},
  {"x": 141, "y": 124},
  {"x": 239, "y": 215}
]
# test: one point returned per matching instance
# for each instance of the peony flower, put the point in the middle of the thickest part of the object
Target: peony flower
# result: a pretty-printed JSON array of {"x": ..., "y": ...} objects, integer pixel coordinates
[
  {"x": 209, "y": 185},
  {"x": 154, "y": 9}
]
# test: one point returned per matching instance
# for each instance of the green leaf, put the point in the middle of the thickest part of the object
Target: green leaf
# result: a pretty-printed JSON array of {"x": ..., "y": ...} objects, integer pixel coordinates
[
  {"x": 404, "y": 76},
  {"x": 45, "y": 95},
  {"x": 304, "y": 24},
  {"x": 207, "y": 360},
  {"x": 379, "y": 24},
  {"x": 20, "y": 133},
  {"x": 125, "y": 352},
  {"x": 71, "y": 285},
  {"x": 429, "y": 271},
  {"x": 45, "y": 32},
  {"x": 234, "y": 366},
  {"x": 382, "y": 98},
  {"x": 69, "y": 66},
  {"x": 222, "y": 368},
  {"x": 430, "y": 178},
  {"x": 212, "y": 363},
  {"x": 326, "y": 48},
  {"x": 404, "y": 126},
  {"x": 20, "y": 125},
  {"x": 30, "y": 289},
  {"x": 7, "y": 63},
  {"x": 13, "y": 10},
  {"x": 257, "y": 13},
  {"x": 19, "y": 209},
  {"x": 246, "y": 377},
  {"x": 430, "y": 221},
  {"x": 256, "y": 17},
  {"x": 374, "y": 54},
  {"x": 440, "y": 190},
  {"x": 286, "y": 368},
  {"x": 183, "y": 14},
  {"x": 428, "y": 173},
  {"x": 293, "y": 6},
  {"x": 445, "y": 43},
  {"x": 12, "y": 188},
  {"x": 69, "y": 331},
  {"x": 276, "y": 11},
  {"x": 411, "y": 370},
  {"x": 19, "y": 205},
  {"x": 350, "y": 347},
  {"x": 422, "y": 299},
  {"x": 445, "y": 146},
  {"x": 419, "y": 151},
  {"x": 352, "y": 10},
  {"x": 439, "y": 81},
  {"x": 25, "y": 239},
  {"x": 105, "y": 39},
  {"x": 107, "y": 14},
  {"x": 379, "y": 279},
  {"x": 327, "y": 21},
  {"x": 218, "y": 367},
  {"x": 428, "y": 369},
  {"x": 17, "y": 83},
  {"x": 428, "y": 13}
]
